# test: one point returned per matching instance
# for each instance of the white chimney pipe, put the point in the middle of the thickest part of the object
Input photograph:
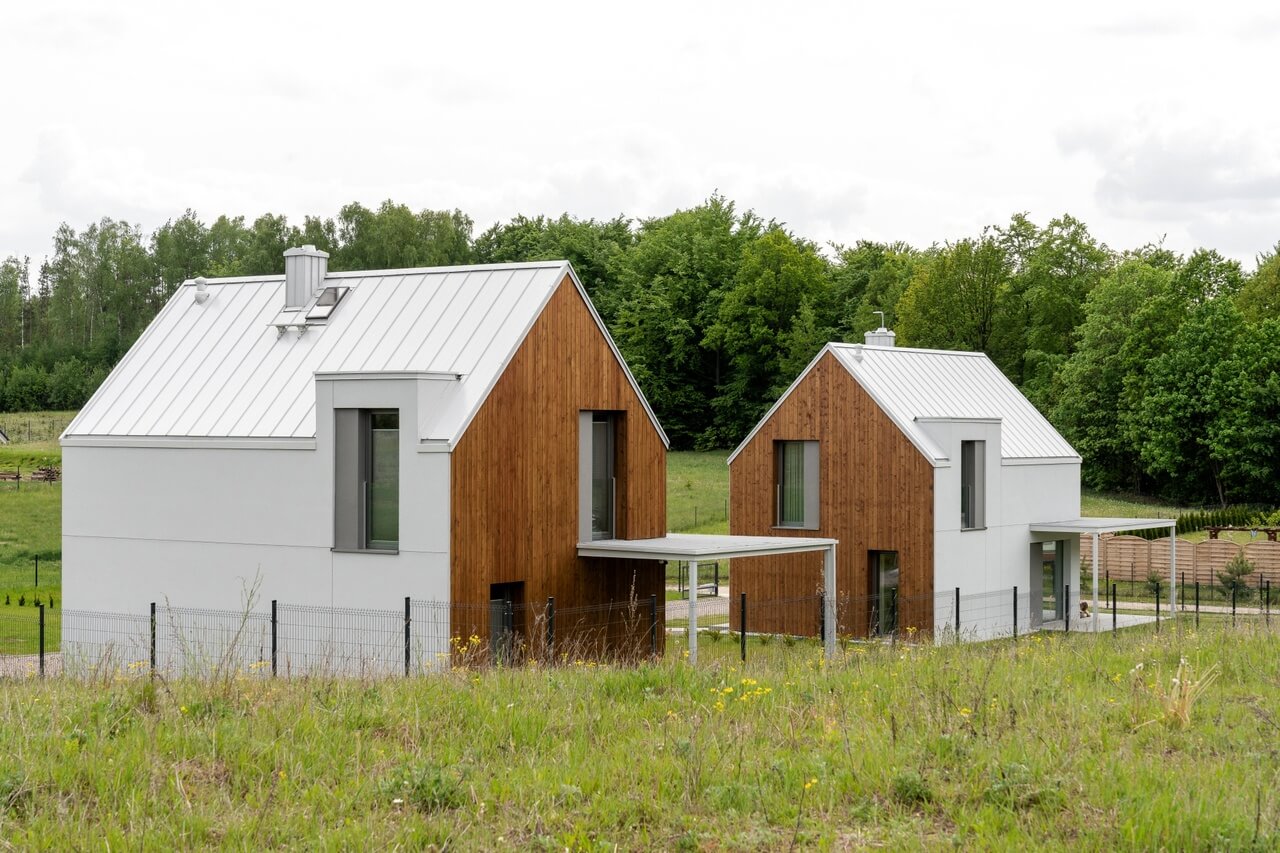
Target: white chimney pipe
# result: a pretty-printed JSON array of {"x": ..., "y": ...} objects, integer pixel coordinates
[
  {"x": 305, "y": 269},
  {"x": 881, "y": 337}
]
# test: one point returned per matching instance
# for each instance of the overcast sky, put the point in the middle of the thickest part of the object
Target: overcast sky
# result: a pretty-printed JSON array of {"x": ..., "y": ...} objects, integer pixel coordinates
[{"x": 883, "y": 121}]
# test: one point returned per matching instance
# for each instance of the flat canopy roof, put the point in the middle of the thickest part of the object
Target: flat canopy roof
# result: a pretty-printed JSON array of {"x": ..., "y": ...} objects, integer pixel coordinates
[
  {"x": 1103, "y": 525},
  {"x": 693, "y": 546}
]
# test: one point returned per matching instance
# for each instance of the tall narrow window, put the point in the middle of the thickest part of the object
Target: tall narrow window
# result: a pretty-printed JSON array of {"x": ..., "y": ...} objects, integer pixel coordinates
[
  {"x": 367, "y": 480},
  {"x": 382, "y": 525},
  {"x": 597, "y": 475},
  {"x": 796, "y": 484},
  {"x": 973, "y": 485}
]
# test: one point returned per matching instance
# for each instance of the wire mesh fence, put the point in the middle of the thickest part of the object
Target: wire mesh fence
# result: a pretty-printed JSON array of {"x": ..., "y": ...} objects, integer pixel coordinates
[{"x": 423, "y": 637}]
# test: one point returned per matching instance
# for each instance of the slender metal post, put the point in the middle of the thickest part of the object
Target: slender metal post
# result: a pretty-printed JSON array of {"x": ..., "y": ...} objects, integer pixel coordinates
[
  {"x": 408, "y": 654},
  {"x": 551, "y": 628},
  {"x": 717, "y": 579},
  {"x": 1173, "y": 571},
  {"x": 1015, "y": 613},
  {"x": 693, "y": 612},
  {"x": 1157, "y": 607},
  {"x": 1233, "y": 605},
  {"x": 275, "y": 639},
  {"x": 1066, "y": 607},
  {"x": 653, "y": 626},
  {"x": 957, "y": 614},
  {"x": 1114, "y": 622},
  {"x": 153, "y": 638},
  {"x": 41, "y": 608},
  {"x": 742, "y": 626},
  {"x": 1197, "y": 603},
  {"x": 37, "y": 571},
  {"x": 829, "y": 603}
]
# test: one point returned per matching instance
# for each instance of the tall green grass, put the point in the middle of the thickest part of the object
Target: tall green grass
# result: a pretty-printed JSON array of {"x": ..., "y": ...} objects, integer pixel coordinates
[
  {"x": 698, "y": 491},
  {"x": 1052, "y": 742}
]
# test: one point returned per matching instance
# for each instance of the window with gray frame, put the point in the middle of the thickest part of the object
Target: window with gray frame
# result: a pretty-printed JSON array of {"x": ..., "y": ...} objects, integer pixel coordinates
[
  {"x": 973, "y": 498},
  {"x": 367, "y": 479},
  {"x": 796, "y": 484},
  {"x": 597, "y": 475}
]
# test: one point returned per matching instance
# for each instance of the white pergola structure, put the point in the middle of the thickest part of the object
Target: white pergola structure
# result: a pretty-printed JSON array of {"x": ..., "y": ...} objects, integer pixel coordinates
[
  {"x": 1097, "y": 526},
  {"x": 692, "y": 548}
]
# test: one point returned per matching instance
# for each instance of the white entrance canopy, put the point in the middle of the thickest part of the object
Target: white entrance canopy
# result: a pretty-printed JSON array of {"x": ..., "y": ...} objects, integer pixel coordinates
[
  {"x": 692, "y": 548},
  {"x": 1097, "y": 526}
]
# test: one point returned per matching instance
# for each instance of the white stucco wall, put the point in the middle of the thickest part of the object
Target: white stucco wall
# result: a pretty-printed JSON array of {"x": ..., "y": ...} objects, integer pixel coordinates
[
  {"x": 198, "y": 526},
  {"x": 987, "y": 564}
]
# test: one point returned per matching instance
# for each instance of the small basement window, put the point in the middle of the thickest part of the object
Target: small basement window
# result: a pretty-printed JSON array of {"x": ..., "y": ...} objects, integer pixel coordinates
[{"x": 327, "y": 301}]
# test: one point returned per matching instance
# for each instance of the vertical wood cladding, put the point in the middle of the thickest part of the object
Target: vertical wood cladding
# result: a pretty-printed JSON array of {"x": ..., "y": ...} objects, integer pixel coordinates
[
  {"x": 514, "y": 488},
  {"x": 876, "y": 495}
]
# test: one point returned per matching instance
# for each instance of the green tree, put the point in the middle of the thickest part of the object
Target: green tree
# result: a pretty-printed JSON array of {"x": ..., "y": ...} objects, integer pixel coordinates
[
  {"x": 1259, "y": 297},
  {"x": 181, "y": 249},
  {"x": 955, "y": 298},
  {"x": 776, "y": 276},
  {"x": 1183, "y": 400},
  {"x": 672, "y": 284},
  {"x": 1129, "y": 318},
  {"x": 394, "y": 237}
]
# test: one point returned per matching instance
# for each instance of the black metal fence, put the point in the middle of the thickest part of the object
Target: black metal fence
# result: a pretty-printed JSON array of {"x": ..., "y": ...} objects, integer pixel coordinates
[{"x": 422, "y": 637}]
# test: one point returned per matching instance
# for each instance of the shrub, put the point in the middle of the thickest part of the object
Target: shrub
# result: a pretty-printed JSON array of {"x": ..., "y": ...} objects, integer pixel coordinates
[
  {"x": 22, "y": 601},
  {"x": 1154, "y": 581},
  {"x": 1233, "y": 577}
]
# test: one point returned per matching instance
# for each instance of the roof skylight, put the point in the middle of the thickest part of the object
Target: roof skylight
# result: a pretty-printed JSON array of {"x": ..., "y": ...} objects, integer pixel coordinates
[{"x": 327, "y": 301}]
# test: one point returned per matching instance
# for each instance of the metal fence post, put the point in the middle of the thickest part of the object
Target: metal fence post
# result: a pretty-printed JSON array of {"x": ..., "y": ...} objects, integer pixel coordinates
[
  {"x": 1066, "y": 609},
  {"x": 822, "y": 617},
  {"x": 742, "y": 626},
  {"x": 551, "y": 629},
  {"x": 957, "y": 614},
  {"x": 153, "y": 638},
  {"x": 716, "y": 582},
  {"x": 1015, "y": 613},
  {"x": 275, "y": 639},
  {"x": 1233, "y": 605},
  {"x": 653, "y": 626},
  {"x": 1157, "y": 607},
  {"x": 1114, "y": 623},
  {"x": 408, "y": 654},
  {"x": 1197, "y": 603},
  {"x": 41, "y": 607}
]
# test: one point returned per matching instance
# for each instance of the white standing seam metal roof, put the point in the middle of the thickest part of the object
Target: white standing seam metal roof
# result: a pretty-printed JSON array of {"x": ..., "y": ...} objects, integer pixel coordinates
[
  {"x": 914, "y": 385},
  {"x": 221, "y": 370}
]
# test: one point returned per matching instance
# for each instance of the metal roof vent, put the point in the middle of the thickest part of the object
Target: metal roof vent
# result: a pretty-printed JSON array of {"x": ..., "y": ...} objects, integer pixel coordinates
[
  {"x": 202, "y": 291},
  {"x": 304, "y": 271},
  {"x": 881, "y": 337}
]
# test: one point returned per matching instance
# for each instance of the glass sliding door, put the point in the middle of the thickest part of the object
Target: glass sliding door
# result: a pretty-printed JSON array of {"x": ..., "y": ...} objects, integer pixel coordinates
[{"x": 884, "y": 591}]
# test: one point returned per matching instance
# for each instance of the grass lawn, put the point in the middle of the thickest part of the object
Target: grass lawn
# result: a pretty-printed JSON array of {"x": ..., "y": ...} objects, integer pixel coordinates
[
  {"x": 1053, "y": 742},
  {"x": 34, "y": 427},
  {"x": 698, "y": 492}
]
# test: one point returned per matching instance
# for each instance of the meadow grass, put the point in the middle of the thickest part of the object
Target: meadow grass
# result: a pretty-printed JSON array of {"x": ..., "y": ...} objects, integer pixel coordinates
[
  {"x": 35, "y": 427},
  {"x": 1051, "y": 742},
  {"x": 698, "y": 491}
]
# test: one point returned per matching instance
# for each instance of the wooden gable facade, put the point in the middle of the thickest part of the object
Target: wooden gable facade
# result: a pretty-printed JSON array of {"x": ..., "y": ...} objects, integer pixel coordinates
[
  {"x": 876, "y": 494},
  {"x": 514, "y": 489}
]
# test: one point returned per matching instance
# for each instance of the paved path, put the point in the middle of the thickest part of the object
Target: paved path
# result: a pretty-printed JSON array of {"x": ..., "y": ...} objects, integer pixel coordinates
[{"x": 28, "y": 666}]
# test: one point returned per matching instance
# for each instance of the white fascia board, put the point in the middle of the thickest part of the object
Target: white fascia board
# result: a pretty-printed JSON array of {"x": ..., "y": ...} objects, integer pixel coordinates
[
  {"x": 190, "y": 442},
  {"x": 1040, "y": 460},
  {"x": 938, "y": 419},
  {"x": 435, "y": 445},
  {"x": 563, "y": 268},
  {"x": 365, "y": 375},
  {"x": 777, "y": 404}
]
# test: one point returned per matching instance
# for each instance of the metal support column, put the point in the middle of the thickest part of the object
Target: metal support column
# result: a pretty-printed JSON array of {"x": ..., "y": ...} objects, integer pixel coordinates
[
  {"x": 1173, "y": 570},
  {"x": 1095, "y": 586},
  {"x": 693, "y": 612},
  {"x": 829, "y": 603}
]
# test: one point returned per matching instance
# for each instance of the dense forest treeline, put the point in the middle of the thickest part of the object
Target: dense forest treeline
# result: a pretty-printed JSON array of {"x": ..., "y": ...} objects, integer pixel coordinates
[{"x": 1162, "y": 369}]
